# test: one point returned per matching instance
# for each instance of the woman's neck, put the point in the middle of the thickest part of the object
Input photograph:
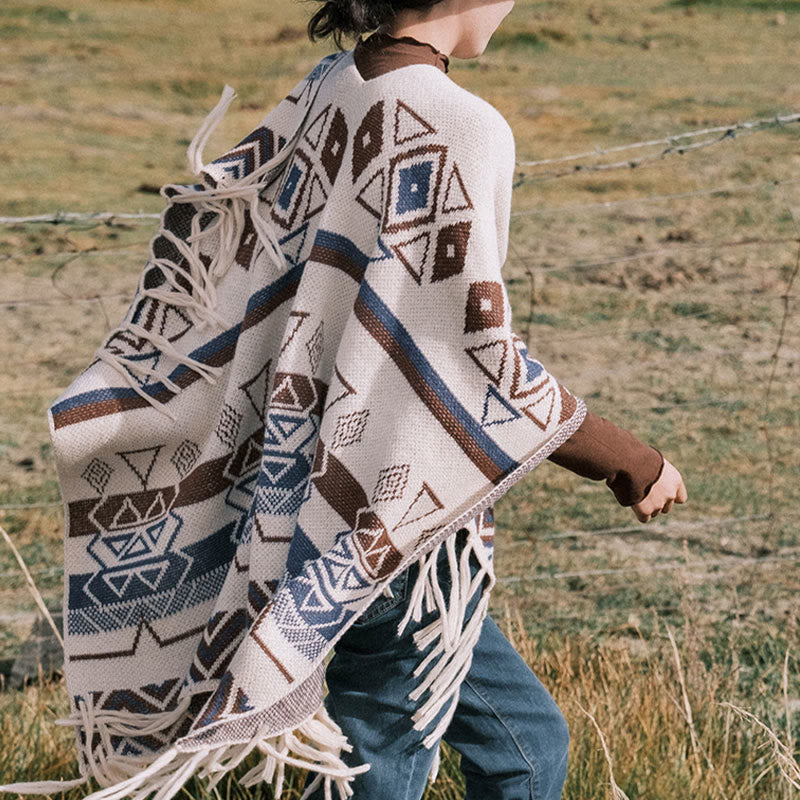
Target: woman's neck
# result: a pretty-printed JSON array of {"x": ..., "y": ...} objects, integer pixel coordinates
[{"x": 434, "y": 31}]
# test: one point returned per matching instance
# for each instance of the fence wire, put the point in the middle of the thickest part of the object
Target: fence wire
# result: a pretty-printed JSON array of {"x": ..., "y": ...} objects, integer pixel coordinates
[{"x": 674, "y": 144}]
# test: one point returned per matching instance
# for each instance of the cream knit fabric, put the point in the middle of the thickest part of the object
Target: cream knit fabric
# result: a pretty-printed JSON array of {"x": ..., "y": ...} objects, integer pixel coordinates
[{"x": 316, "y": 384}]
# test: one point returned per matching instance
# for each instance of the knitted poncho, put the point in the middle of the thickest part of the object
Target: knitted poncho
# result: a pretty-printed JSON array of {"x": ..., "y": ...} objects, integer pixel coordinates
[{"x": 317, "y": 383}]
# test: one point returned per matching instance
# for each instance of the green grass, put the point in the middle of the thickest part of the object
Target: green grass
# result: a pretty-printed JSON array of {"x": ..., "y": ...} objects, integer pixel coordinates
[{"x": 646, "y": 310}]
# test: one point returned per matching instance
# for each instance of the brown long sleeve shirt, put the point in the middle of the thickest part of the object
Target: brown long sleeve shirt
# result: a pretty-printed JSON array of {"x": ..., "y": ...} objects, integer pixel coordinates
[{"x": 598, "y": 449}]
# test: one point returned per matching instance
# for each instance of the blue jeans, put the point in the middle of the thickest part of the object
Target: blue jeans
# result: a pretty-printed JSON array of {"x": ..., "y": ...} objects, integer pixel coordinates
[{"x": 511, "y": 735}]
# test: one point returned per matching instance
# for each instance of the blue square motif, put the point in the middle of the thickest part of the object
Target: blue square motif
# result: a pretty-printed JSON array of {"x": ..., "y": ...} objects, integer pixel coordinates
[
  {"x": 289, "y": 187},
  {"x": 414, "y": 184}
]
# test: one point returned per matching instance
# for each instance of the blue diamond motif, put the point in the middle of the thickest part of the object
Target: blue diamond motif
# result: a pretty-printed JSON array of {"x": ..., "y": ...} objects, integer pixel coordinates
[
  {"x": 289, "y": 187},
  {"x": 413, "y": 187}
]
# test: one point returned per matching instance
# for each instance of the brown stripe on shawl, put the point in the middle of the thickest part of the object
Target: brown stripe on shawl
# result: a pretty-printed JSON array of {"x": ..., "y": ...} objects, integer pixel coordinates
[{"x": 439, "y": 410}]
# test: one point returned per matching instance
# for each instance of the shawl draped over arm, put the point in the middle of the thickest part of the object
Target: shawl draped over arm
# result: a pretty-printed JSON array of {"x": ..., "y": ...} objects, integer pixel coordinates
[{"x": 316, "y": 384}]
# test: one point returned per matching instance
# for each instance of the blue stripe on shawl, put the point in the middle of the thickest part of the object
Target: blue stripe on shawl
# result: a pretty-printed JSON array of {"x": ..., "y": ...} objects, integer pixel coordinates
[
  {"x": 204, "y": 353},
  {"x": 341, "y": 244},
  {"x": 426, "y": 371}
]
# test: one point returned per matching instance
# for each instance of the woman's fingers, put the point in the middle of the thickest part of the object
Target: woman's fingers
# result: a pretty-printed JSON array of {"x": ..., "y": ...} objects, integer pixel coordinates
[{"x": 669, "y": 489}]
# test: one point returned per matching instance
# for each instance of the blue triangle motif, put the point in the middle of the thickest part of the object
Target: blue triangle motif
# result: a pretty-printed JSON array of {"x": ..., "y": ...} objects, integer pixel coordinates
[
  {"x": 152, "y": 575},
  {"x": 495, "y": 415},
  {"x": 301, "y": 233},
  {"x": 314, "y": 601},
  {"x": 154, "y": 531},
  {"x": 276, "y": 467},
  {"x": 353, "y": 580},
  {"x": 246, "y": 485},
  {"x": 533, "y": 369},
  {"x": 286, "y": 424},
  {"x": 118, "y": 581},
  {"x": 335, "y": 570},
  {"x": 138, "y": 548},
  {"x": 116, "y": 544}
]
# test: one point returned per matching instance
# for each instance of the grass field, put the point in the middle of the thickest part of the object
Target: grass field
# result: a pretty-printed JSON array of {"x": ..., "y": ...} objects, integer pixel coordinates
[{"x": 671, "y": 309}]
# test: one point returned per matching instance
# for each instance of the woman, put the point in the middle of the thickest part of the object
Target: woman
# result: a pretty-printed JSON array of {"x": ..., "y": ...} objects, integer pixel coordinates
[
  {"x": 512, "y": 737},
  {"x": 292, "y": 443}
]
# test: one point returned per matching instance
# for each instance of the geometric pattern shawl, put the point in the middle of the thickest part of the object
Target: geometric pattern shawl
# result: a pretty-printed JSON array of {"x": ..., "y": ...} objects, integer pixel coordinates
[{"x": 316, "y": 384}]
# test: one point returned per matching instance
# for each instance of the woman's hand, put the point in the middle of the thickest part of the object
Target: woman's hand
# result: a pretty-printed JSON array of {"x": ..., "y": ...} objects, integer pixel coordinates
[{"x": 668, "y": 489}]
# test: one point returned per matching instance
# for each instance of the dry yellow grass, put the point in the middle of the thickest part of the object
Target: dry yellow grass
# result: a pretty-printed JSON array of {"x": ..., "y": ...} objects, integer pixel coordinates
[
  {"x": 667, "y": 733},
  {"x": 670, "y": 313}
]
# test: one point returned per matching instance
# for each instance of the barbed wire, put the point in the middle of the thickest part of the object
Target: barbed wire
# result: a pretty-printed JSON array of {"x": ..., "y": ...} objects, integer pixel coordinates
[
  {"x": 724, "y": 563},
  {"x": 56, "y": 391},
  {"x": 670, "y": 139},
  {"x": 728, "y": 132},
  {"x": 767, "y": 355},
  {"x": 77, "y": 216},
  {"x": 515, "y": 257},
  {"x": 64, "y": 217},
  {"x": 674, "y": 145},
  {"x": 564, "y": 335},
  {"x": 654, "y": 198}
]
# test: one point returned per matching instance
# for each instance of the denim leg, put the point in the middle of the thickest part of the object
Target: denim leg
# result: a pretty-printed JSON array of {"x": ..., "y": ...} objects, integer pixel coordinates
[
  {"x": 512, "y": 736},
  {"x": 369, "y": 678},
  {"x": 367, "y": 698}
]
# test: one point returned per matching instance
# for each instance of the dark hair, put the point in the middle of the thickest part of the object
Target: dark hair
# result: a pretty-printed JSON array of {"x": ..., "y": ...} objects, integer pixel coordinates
[{"x": 354, "y": 17}]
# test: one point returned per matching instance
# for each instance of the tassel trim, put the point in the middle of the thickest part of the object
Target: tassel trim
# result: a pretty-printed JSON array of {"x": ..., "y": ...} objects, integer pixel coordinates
[
  {"x": 450, "y": 639},
  {"x": 315, "y": 745},
  {"x": 202, "y": 271}
]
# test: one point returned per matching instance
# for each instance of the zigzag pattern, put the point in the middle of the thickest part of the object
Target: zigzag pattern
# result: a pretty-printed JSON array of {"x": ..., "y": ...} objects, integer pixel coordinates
[{"x": 227, "y": 551}]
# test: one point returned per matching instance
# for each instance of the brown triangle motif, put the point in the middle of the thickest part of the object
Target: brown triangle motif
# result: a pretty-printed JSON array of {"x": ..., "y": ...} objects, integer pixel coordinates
[
  {"x": 314, "y": 132},
  {"x": 408, "y": 124},
  {"x": 141, "y": 461},
  {"x": 493, "y": 362},
  {"x": 173, "y": 322},
  {"x": 541, "y": 410},
  {"x": 257, "y": 388},
  {"x": 414, "y": 254},
  {"x": 316, "y": 198},
  {"x": 425, "y": 503},
  {"x": 378, "y": 553},
  {"x": 286, "y": 395},
  {"x": 127, "y": 514},
  {"x": 371, "y": 197},
  {"x": 157, "y": 507},
  {"x": 455, "y": 194}
]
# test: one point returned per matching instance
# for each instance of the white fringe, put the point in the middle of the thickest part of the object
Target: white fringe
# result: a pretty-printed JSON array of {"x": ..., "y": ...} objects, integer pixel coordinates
[
  {"x": 453, "y": 641},
  {"x": 230, "y": 204},
  {"x": 195, "y": 151},
  {"x": 316, "y": 745}
]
